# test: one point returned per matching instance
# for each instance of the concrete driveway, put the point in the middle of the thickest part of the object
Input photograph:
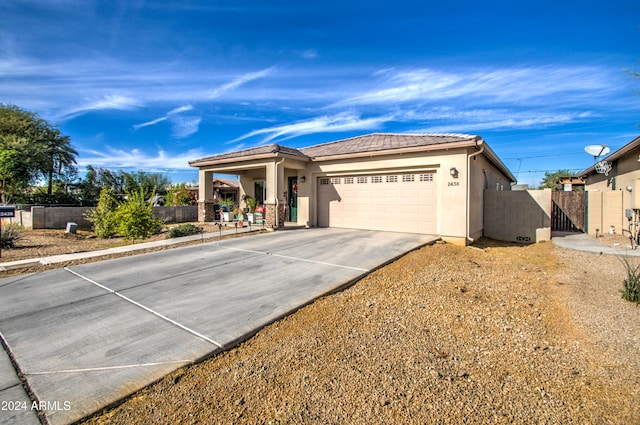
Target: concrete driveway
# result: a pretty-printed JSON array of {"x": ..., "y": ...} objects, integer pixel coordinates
[{"x": 86, "y": 336}]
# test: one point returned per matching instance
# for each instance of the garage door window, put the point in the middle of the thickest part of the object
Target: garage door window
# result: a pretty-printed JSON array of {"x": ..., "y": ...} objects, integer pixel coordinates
[
  {"x": 348, "y": 180},
  {"x": 362, "y": 180},
  {"x": 427, "y": 177},
  {"x": 376, "y": 179},
  {"x": 392, "y": 179},
  {"x": 406, "y": 178}
]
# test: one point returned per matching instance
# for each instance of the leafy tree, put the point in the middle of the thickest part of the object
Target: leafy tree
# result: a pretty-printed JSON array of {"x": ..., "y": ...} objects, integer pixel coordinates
[
  {"x": 42, "y": 151},
  {"x": 103, "y": 217},
  {"x": 550, "y": 179},
  {"x": 57, "y": 158},
  {"x": 134, "y": 217},
  {"x": 180, "y": 195},
  {"x": 14, "y": 174}
]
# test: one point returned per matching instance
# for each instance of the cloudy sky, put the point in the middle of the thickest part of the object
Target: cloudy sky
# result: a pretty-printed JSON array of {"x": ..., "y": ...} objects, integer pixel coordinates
[{"x": 150, "y": 85}]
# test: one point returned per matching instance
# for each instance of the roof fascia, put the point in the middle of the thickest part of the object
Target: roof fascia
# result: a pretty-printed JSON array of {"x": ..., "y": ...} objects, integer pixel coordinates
[{"x": 245, "y": 158}]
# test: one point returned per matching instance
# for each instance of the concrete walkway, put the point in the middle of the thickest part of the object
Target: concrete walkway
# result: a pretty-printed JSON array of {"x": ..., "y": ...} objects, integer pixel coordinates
[
  {"x": 584, "y": 242},
  {"x": 86, "y": 336},
  {"x": 64, "y": 258}
]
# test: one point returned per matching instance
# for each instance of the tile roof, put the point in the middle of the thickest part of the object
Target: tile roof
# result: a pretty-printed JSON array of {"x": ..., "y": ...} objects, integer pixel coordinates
[
  {"x": 382, "y": 142},
  {"x": 361, "y": 144},
  {"x": 260, "y": 150}
]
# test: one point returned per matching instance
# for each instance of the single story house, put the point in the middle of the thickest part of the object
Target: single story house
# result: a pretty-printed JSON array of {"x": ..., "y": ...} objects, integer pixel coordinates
[
  {"x": 221, "y": 188},
  {"x": 422, "y": 183},
  {"x": 611, "y": 194}
]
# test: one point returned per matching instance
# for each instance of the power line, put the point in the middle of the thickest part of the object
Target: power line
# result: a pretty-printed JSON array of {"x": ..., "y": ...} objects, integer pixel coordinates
[{"x": 545, "y": 156}]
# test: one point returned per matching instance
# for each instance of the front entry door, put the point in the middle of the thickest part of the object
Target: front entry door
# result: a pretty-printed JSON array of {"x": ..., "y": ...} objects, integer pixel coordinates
[{"x": 292, "y": 214}]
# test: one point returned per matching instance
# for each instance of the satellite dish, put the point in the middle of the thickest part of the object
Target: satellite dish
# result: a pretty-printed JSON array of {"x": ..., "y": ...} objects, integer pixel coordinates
[{"x": 597, "y": 150}]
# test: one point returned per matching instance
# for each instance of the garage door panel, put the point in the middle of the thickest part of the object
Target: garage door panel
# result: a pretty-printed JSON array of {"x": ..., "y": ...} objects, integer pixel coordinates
[{"x": 401, "y": 202}]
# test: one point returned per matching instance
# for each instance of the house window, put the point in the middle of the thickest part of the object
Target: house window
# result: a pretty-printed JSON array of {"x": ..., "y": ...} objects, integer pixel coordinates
[
  {"x": 335, "y": 180},
  {"x": 324, "y": 181},
  {"x": 362, "y": 179},
  {"x": 392, "y": 179},
  {"x": 348, "y": 180},
  {"x": 376, "y": 179},
  {"x": 426, "y": 177},
  {"x": 408, "y": 178}
]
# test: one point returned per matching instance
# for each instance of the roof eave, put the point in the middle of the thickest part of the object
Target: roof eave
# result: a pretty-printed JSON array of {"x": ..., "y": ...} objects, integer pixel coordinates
[
  {"x": 205, "y": 162},
  {"x": 496, "y": 161}
]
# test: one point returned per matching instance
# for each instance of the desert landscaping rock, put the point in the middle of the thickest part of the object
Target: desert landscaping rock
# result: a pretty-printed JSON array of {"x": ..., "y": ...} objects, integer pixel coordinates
[{"x": 446, "y": 334}]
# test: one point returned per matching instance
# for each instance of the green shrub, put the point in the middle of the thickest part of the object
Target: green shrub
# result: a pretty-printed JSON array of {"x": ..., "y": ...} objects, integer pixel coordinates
[
  {"x": 103, "y": 216},
  {"x": 10, "y": 234},
  {"x": 631, "y": 288},
  {"x": 134, "y": 217},
  {"x": 186, "y": 229}
]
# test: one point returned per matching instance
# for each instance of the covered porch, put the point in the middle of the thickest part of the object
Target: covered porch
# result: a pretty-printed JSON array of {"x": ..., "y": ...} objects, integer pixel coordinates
[{"x": 273, "y": 174}]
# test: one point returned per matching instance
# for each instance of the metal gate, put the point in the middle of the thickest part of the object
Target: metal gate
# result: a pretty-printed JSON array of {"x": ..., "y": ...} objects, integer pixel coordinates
[{"x": 569, "y": 212}]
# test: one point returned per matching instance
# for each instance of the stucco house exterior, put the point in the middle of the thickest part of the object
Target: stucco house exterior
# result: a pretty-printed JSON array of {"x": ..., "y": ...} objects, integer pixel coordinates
[
  {"x": 423, "y": 183},
  {"x": 611, "y": 195}
]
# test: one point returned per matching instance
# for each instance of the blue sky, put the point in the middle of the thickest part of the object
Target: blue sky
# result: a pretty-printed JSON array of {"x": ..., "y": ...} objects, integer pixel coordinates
[{"x": 150, "y": 85}]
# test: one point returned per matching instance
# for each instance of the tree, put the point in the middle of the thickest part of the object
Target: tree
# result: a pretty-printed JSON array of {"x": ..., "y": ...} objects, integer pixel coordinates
[
  {"x": 180, "y": 195},
  {"x": 42, "y": 151},
  {"x": 14, "y": 174},
  {"x": 550, "y": 179},
  {"x": 57, "y": 158}
]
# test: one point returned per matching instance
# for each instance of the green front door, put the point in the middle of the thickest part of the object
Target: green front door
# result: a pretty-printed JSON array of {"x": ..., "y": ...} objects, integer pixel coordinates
[{"x": 292, "y": 211}]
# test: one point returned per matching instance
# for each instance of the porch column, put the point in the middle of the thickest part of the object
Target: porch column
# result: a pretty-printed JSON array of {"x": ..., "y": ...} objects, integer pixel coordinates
[
  {"x": 275, "y": 201},
  {"x": 205, "y": 195}
]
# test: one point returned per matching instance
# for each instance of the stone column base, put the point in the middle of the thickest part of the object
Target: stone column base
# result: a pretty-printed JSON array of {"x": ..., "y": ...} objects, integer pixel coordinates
[{"x": 205, "y": 210}]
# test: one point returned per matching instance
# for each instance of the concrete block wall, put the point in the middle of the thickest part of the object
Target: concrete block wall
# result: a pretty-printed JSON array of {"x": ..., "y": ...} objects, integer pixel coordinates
[
  {"x": 517, "y": 216},
  {"x": 58, "y": 217}
]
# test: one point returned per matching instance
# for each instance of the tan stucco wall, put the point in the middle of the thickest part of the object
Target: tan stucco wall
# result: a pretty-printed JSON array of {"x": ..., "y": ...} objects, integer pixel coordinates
[{"x": 606, "y": 209}]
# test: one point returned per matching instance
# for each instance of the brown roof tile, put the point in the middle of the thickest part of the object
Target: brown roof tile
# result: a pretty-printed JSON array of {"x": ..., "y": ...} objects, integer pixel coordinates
[
  {"x": 360, "y": 144},
  {"x": 382, "y": 142}
]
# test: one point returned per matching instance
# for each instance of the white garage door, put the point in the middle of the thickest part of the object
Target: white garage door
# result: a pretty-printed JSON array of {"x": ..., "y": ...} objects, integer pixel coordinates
[{"x": 394, "y": 202}]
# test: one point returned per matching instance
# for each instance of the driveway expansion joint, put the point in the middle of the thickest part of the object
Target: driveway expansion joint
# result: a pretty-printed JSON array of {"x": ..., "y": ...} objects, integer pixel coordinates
[{"x": 147, "y": 309}]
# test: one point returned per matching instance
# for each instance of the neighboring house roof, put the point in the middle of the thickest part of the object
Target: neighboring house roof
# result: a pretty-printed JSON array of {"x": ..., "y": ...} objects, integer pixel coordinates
[
  {"x": 375, "y": 143},
  {"x": 226, "y": 182},
  {"x": 620, "y": 153}
]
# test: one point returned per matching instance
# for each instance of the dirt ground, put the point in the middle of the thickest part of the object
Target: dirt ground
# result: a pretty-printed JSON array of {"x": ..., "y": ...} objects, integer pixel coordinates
[{"x": 492, "y": 333}]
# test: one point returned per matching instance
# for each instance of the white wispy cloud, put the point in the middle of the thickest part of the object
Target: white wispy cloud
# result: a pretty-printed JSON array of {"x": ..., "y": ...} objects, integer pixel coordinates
[
  {"x": 181, "y": 126},
  {"x": 119, "y": 158},
  {"x": 508, "y": 85},
  {"x": 184, "y": 126},
  {"x": 106, "y": 102},
  {"x": 238, "y": 81},
  {"x": 346, "y": 121}
]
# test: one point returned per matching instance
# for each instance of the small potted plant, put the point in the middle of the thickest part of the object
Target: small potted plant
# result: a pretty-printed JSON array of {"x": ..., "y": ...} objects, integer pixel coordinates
[{"x": 251, "y": 203}]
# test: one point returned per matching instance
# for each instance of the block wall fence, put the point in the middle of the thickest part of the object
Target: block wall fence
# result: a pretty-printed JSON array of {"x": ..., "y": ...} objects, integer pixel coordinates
[{"x": 58, "y": 217}]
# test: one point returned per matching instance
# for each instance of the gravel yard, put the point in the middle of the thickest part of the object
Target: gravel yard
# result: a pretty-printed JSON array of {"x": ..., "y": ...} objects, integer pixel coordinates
[{"x": 495, "y": 333}]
